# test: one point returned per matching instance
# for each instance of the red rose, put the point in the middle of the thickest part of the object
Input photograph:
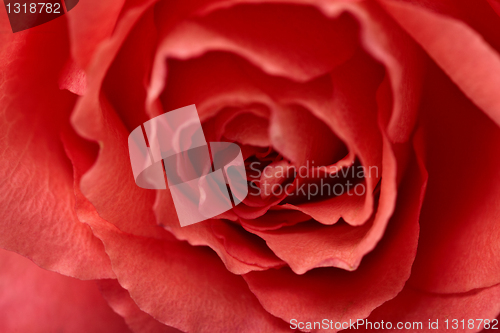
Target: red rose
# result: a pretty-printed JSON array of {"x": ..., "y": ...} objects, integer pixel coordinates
[{"x": 405, "y": 91}]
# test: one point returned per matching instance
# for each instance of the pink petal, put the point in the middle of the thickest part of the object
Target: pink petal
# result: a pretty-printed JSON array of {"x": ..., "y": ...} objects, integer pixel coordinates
[
  {"x": 202, "y": 234},
  {"x": 302, "y": 137},
  {"x": 35, "y": 300},
  {"x": 329, "y": 211},
  {"x": 245, "y": 246},
  {"x": 309, "y": 245},
  {"x": 276, "y": 218},
  {"x": 234, "y": 30},
  {"x": 355, "y": 120},
  {"x": 214, "y": 81},
  {"x": 495, "y": 4},
  {"x": 37, "y": 199},
  {"x": 215, "y": 127},
  {"x": 384, "y": 40},
  {"x": 73, "y": 78},
  {"x": 248, "y": 129},
  {"x": 124, "y": 83},
  {"x": 274, "y": 174},
  {"x": 137, "y": 320},
  {"x": 109, "y": 185},
  {"x": 183, "y": 286},
  {"x": 90, "y": 23},
  {"x": 413, "y": 305},
  {"x": 476, "y": 72},
  {"x": 459, "y": 246}
]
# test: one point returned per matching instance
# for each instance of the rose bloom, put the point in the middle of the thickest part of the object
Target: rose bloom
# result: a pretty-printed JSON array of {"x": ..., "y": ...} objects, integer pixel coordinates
[{"x": 408, "y": 88}]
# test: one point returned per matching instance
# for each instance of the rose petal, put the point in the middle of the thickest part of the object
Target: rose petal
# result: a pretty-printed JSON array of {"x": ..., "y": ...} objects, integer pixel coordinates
[
  {"x": 277, "y": 217},
  {"x": 37, "y": 198},
  {"x": 110, "y": 180},
  {"x": 384, "y": 271},
  {"x": 214, "y": 82},
  {"x": 303, "y": 138},
  {"x": 461, "y": 210},
  {"x": 476, "y": 72},
  {"x": 137, "y": 320},
  {"x": 245, "y": 246},
  {"x": 183, "y": 286},
  {"x": 91, "y": 22},
  {"x": 202, "y": 234},
  {"x": 495, "y": 4},
  {"x": 248, "y": 129},
  {"x": 329, "y": 211},
  {"x": 35, "y": 300},
  {"x": 415, "y": 306},
  {"x": 88, "y": 110},
  {"x": 124, "y": 84},
  {"x": 340, "y": 246},
  {"x": 478, "y": 15},
  {"x": 215, "y": 127},
  {"x": 355, "y": 120},
  {"x": 381, "y": 38},
  {"x": 73, "y": 78},
  {"x": 275, "y": 173},
  {"x": 309, "y": 245},
  {"x": 226, "y": 30},
  {"x": 482, "y": 19}
]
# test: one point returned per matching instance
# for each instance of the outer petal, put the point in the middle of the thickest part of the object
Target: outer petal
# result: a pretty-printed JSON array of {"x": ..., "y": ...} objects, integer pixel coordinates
[
  {"x": 415, "y": 306},
  {"x": 476, "y": 72},
  {"x": 138, "y": 321},
  {"x": 36, "y": 182},
  {"x": 125, "y": 80},
  {"x": 91, "y": 22},
  {"x": 35, "y": 300},
  {"x": 459, "y": 248},
  {"x": 495, "y": 4},
  {"x": 183, "y": 286}
]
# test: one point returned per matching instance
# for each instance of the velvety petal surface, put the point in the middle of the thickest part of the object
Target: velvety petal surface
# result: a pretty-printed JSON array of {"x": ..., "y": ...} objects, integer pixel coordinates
[
  {"x": 416, "y": 306},
  {"x": 90, "y": 23},
  {"x": 36, "y": 300},
  {"x": 476, "y": 72},
  {"x": 184, "y": 286},
  {"x": 137, "y": 320},
  {"x": 36, "y": 187},
  {"x": 458, "y": 247}
]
